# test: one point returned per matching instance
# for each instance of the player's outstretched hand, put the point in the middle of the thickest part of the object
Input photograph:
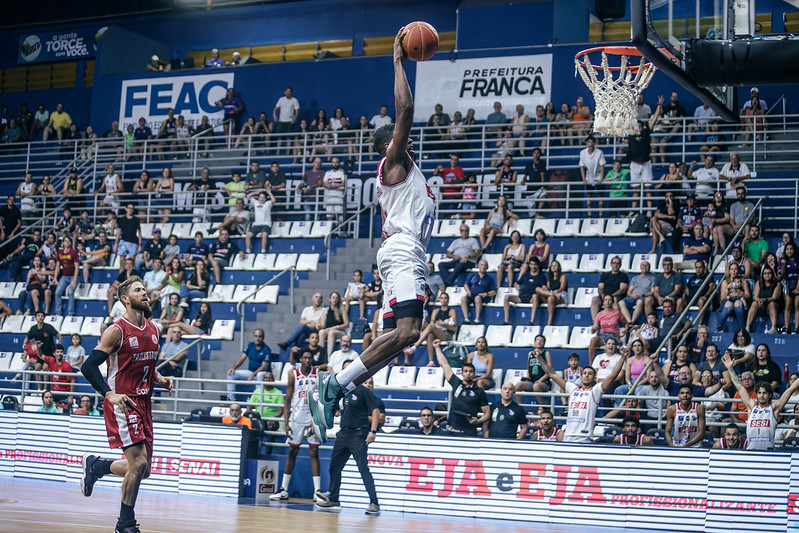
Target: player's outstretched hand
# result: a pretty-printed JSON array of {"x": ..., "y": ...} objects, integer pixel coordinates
[
  {"x": 399, "y": 54},
  {"x": 166, "y": 382},
  {"x": 121, "y": 400}
]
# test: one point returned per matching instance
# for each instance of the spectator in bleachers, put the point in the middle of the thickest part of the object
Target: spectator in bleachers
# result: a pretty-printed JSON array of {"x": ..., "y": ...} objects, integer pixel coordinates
[
  {"x": 335, "y": 184},
  {"x": 582, "y": 117},
  {"x": 153, "y": 250},
  {"x": 614, "y": 284},
  {"x": 469, "y": 406},
  {"x": 755, "y": 249},
  {"x": 689, "y": 216},
  {"x": 311, "y": 180},
  {"x": 495, "y": 222},
  {"x": 172, "y": 354},
  {"x": 693, "y": 285},
  {"x": 75, "y": 352},
  {"x": 96, "y": 255},
  {"x": 605, "y": 362},
  {"x": 563, "y": 128},
  {"x": 696, "y": 249},
  {"x": 461, "y": 254},
  {"x": 48, "y": 250},
  {"x": 715, "y": 404},
  {"x": 744, "y": 264},
  {"x": 636, "y": 364},
  {"x": 592, "y": 170},
  {"x": 685, "y": 420},
  {"x": 84, "y": 228},
  {"x": 65, "y": 225},
  {"x": 58, "y": 124},
  {"x": 664, "y": 221},
  {"x": 507, "y": 419},
  {"x": 667, "y": 321},
  {"x": 141, "y": 134},
  {"x": 201, "y": 325},
  {"x": 43, "y": 336},
  {"x": 539, "y": 249},
  {"x": 764, "y": 368},
  {"x": 248, "y": 129},
  {"x": 87, "y": 403},
  {"x": 236, "y": 219},
  {"x": 52, "y": 282},
  {"x": 46, "y": 188},
  {"x": 482, "y": 360},
  {"x": 766, "y": 300},
  {"x": 235, "y": 188},
  {"x": 196, "y": 252},
  {"x": 345, "y": 353},
  {"x": 443, "y": 117},
  {"x": 555, "y": 292},
  {"x": 376, "y": 328},
  {"x": 733, "y": 174},
  {"x": 318, "y": 355},
  {"x": 741, "y": 349},
  {"x": 257, "y": 354},
  {"x": 171, "y": 312},
  {"x": 684, "y": 376},
  {"x": 12, "y": 221},
  {"x": 480, "y": 289},
  {"x": 68, "y": 265},
  {"x": 171, "y": 249},
  {"x": 435, "y": 283},
  {"x": 221, "y": 254},
  {"x": 679, "y": 360},
  {"x": 334, "y": 323},
  {"x": 354, "y": 289},
  {"x": 618, "y": 179},
  {"x": 537, "y": 379},
  {"x": 285, "y": 114},
  {"x": 469, "y": 205},
  {"x": 653, "y": 387},
  {"x": 309, "y": 319},
  {"x": 128, "y": 269},
  {"x": 668, "y": 285},
  {"x": 747, "y": 383},
  {"x": 505, "y": 176},
  {"x": 235, "y": 416},
  {"x": 789, "y": 274},
  {"x": 48, "y": 404},
  {"x": 538, "y": 125},
  {"x": 527, "y": 285},
  {"x": 35, "y": 285},
  {"x": 456, "y": 135},
  {"x": 164, "y": 194},
  {"x": 255, "y": 177},
  {"x": 373, "y": 292},
  {"x": 175, "y": 278},
  {"x": 26, "y": 192},
  {"x": 700, "y": 344},
  {"x": 512, "y": 258},
  {"x": 712, "y": 363},
  {"x": 40, "y": 120},
  {"x": 276, "y": 178},
  {"x": 734, "y": 296},
  {"x": 786, "y": 238},
  {"x": 443, "y": 326},
  {"x": 128, "y": 235},
  {"x": 706, "y": 178},
  {"x": 111, "y": 188},
  {"x": 197, "y": 285}
]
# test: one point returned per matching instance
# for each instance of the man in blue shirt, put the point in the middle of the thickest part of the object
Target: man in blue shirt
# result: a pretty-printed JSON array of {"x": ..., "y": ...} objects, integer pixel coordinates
[
  {"x": 195, "y": 252},
  {"x": 526, "y": 285},
  {"x": 258, "y": 357},
  {"x": 696, "y": 249},
  {"x": 481, "y": 288}
]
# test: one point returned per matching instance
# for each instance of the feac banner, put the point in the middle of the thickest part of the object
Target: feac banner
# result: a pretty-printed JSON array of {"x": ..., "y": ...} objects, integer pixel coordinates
[
  {"x": 477, "y": 83},
  {"x": 57, "y": 46},
  {"x": 190, "y": 96}
]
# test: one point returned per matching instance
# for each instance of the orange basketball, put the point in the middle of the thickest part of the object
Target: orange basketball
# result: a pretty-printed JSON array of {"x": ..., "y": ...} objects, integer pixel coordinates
[{"x": 420, "y": 41}]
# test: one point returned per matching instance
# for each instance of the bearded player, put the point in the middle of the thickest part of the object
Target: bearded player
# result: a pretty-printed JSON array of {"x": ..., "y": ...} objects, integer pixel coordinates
[
  {"x": 130, "y": 346},
  {"x": 408, "y": 207}
]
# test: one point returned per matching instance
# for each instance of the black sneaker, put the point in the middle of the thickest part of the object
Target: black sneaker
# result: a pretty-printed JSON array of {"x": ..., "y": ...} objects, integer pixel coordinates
[
  {"x": 89, "y": 478},
  {"x": 127, "y": 527}
]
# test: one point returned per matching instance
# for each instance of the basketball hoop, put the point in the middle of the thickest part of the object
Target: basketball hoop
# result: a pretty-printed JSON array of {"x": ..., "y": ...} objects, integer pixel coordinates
[{"x": 616, "y": 113}]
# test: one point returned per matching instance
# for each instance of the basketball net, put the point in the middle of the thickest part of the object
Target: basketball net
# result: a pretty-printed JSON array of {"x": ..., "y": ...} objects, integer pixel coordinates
[{"x": 616, "y": 112}]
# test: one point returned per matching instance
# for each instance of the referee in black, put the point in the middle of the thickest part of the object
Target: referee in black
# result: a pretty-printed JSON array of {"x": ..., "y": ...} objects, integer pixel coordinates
[
  {"x": 469, "y": 407},
  {"x": 360, "y": 417},
  {"x": 507, "y": 417}
]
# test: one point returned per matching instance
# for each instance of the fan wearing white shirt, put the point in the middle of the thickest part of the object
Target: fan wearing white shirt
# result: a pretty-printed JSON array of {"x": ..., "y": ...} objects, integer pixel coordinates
[
  {"x": 262, "y": 218},
  {"x": 337, "y": 359},
  {"x": 592, "y": 169}
]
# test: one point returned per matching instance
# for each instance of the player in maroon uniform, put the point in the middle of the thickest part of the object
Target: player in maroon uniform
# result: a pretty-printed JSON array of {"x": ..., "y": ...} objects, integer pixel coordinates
[
  {"x": 130, "y": 345},
  {"x": 631, "y": 434},
  {"x": 732, "y": 439}
]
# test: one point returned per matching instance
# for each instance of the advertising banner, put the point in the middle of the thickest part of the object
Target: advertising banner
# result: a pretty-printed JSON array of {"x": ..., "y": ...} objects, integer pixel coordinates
[
  {"x": 477, "y": 83},
  {"x": 190, "y": 96},
  {"x": 266, "y": 480},
  {"x": 57, "y": 46}
]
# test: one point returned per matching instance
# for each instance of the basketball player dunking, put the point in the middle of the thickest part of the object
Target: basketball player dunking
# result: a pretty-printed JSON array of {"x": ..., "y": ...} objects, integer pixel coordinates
[
  {"x": 130, "y": 345},
  {"x": 408, "y": 207}
]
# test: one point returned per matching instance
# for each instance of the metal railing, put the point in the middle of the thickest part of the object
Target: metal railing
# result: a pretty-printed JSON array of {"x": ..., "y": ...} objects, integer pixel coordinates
[
  {"x": 240, "y": 304},
  {"x": 337, "y": 228}
]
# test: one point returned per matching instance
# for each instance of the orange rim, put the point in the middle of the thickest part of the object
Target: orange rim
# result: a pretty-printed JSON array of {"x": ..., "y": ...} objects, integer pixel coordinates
[{"x": 613, "y": 50}]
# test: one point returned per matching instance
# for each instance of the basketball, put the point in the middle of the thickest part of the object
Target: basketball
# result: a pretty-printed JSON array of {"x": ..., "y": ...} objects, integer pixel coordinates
[
  {"x": 81, "y": 411},
  {"x": 420, "y": 41}
]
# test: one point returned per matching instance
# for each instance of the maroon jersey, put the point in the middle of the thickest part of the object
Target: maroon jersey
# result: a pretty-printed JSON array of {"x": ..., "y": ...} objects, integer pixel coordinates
[
  {"x": 741, "y": 444},
  {"x": 131, "y": 367},
  {"x": 58, "y": 381}
]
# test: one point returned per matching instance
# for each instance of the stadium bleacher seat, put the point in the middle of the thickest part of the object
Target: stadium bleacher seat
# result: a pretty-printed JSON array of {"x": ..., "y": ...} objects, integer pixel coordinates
[
  {"x": 114, "y": 262},
  {"x": 285, "y": 261},
  {"x": 448, "y": 228},
  {"x": 592, "y": 263},
  {"x": 475, "y": 225},
  {"x": 27, "y": 323},
  {"x": 182, "y": 230},
  {"x": 17, "y": 362},
  {"x": 625, "y": 262},
  {"x": 592, "y": 227},
  {"x": 524, "y": 336},
  {"x": 223, "y": 329},
  {"x": 18, "y": 288},
  {"x": 546, "y": 224},
  {"x": 514, "y": 376},
  {"x": 499, "y": 335},
  {"x": 402, "y": 376},
  {"x": 493, "y": 261},
  {"x": 436, "y": 259},
  {"x": 616, "y": 227},
  {"x": 91, "y": 326},
  {"x": 322, "y": 228},
  {"x": 580, "y": 337},
  {"x": 202, "y": 227},
  {"x": 496, "y": 375},
  {"x": 99, "y": 292},
  {"x": 455, "y": 295},
  {"x": 567, "y": 227},
  {"x": 557, "y": 336},
  {"x": 522, "y": 225},
  {"x": 583, "y": 297},
  {"x": 264, "y": 262},
  {"x": 32, "y": 403},
  {"x": 242, "y": 264},
  {"x": 243, "y": 291},
  {"x": 267, "y": 295},
  {"x": 300, "y": 229},
  {"x": 568, "y": 262},
  {"x": 380, "y": 377},
  {"x": 675, "y": 258},
  {"x": 635, "y": 265},
  {"x": 280, "y": 229},
  {"x": 5, "y": 360},
  {"x": 276, "y": 367},
  {"x": 284, "y": 376},
  {"x": 82, "y": 291},
  {"x": 54, "y": 320},
  {"x": 469, "y": 333},
  {"x": 7, "y": 290},
  {"x": 307, "y": 262},
  {"x": 221, "y": 293},
  {"x": 70, "y": 325},
  {"x": 12, "y": 324},
  {"x": 500, "y": 297},
  {"x": 430, "y": 377}
]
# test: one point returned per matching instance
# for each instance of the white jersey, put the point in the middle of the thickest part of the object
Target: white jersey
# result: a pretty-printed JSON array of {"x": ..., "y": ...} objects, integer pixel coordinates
[
  {"x": 574, "y": 376},
  {"x": 110, "y": 182},
  {"x": 583, "y": 404},
  {"x": 408, "y": 206},
  {"x": 686, "y": 425},
  {"x": 303, "y": 386},
  {"x": 760, "y": 427}
]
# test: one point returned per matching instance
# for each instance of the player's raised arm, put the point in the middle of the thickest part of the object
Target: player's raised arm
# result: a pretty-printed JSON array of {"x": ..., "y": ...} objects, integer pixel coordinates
[{"x": 397, "y": 160}]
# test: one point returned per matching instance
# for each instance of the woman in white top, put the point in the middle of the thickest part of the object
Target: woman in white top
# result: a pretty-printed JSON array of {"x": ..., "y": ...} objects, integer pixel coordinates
[
  {"x": 163, "y": 191},
  {"x": 512, "y": 258},
  {"x": 519, "y": 126},
  {"x": 495, "y": 221},
  {"x": 182, "y": 132},
  {"x": 742, "y": 349}
]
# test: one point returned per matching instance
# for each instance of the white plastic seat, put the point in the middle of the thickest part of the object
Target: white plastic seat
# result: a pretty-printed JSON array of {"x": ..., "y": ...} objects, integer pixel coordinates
[
  {"x": 497, "y": 335},
  {"x": 242, "y": 264},
  {"x": 11, "y": 324},
  {"x": 284, "y": 375},
  {"x": 568, "y": 262},
  {"x": 285, "y": 261},
  {"x": 436, "y": 259},
  {"x": 546, "y": 224},
  {"x": 18, "y": 288},
  {"x": 32, "y": 403},
  {"x": 300, "y": 229},
  {"x": 27, "y": 323},
  {"x": 71, "y": 324},
  {"x": 469, "y": 333},
  {"x": 567, "y": 227},
  {"x": 82, "y": 291},
  {"x": 202, "y": 227},
  {"x": 115, "y": 261},
  {"x": 625, "y": 262},
  {"x": 449, "y": 228},
  {"x": 402, "y": 376},
  {"x": 380, "y": 377},
  {"x": 91, "y": 326},
  {"x": 493, "y": 261},
  {"x": 266, "y": 295},
  {"x": 308, "y": 262},
  {"x": 264, "y": 262},
  {"x": 182, "y": 230},
  {"x": 522, "y": 225},
  {"x": 430, "y": 377},
  {"x": 616, "y": 227},
  {"x": 5, "y": 360},
  {"x": 7, "y": 289},
  {"x": 455, "y": 295},
  {"x": 280, "y": 229},
  {"x": 592, "y": 262},
  {"x": 524, "y": 336},
  {"x": 579, "y": 338},
  {"x": 635, "y": 265},
  {"x": 223, "y": 329},
  {"x": 147, "y": 230},
  {"x": 99, "y": 292},
  {"x": 514, "y": 376},
  {"x": 221, "y": 293},
  {"x": 475, "y": 225},
  {"x": 583, "y": 297},
  {"x": 496, "y": 375},
  {"x": 242, "y": 291},
  {"x": 17, "y": 362},
  {"x": 499, "y": 299},
  {"x": 322, "y": 228},
  {"x": 557, "y": 336},
  {"x": 592, "y": 227},
  {"x": 54, "y": 320}
]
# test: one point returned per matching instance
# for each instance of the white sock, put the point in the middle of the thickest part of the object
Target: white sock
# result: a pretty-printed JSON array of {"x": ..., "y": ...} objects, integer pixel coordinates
[
  {"x": 317, "y": 483},
  {"x": 286, "y": 480},
  {"x": 351, "y": 373}
]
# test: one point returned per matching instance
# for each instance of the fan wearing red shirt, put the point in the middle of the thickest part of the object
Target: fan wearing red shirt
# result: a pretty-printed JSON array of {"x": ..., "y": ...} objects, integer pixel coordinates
[
  {"x": 453, "y": 176},
  {"x": 68, "y": 263},
  {"x": 61, "y": 386}
]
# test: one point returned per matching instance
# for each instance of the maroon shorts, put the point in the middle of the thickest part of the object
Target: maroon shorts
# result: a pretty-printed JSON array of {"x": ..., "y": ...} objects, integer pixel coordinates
[{"x": 133, "y": 427}]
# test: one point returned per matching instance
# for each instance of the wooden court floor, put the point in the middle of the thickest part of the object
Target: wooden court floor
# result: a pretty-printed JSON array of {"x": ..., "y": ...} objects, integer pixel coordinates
[{"x": 31, "y": 506}]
